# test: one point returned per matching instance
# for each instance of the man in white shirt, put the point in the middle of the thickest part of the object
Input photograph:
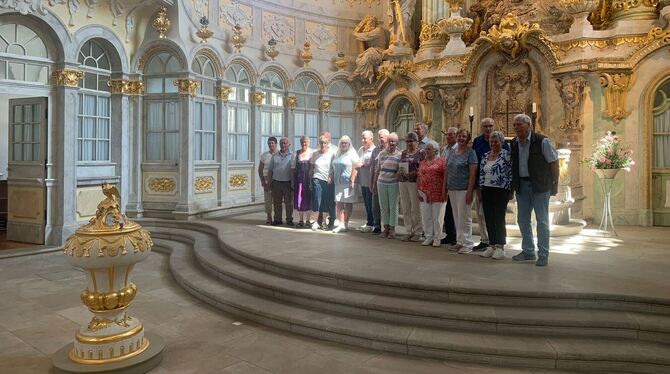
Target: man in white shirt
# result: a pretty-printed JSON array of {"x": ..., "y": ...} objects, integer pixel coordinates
[
  {"x": 365, "y": 156},
  {"x": 263, "y": 175}
]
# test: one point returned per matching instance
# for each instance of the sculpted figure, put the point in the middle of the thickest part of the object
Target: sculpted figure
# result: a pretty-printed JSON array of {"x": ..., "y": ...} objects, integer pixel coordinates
[
  {"x": 370, "y": 36},
  {"x": 400, "y": 14}
]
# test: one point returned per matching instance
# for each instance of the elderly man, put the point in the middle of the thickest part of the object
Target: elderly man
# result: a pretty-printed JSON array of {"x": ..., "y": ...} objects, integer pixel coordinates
[
  {"x": 534, "y": 180},
  {"x": 449, "y": 224},
  {"x": 281, "y": 175},
  {"x": 421, "y": 130},
  {"x": 376, "y": 209},
  {"x": 364, "y": 177},
  {"x": 263, "y": 174},
  {"x": 481, "y": 145}
]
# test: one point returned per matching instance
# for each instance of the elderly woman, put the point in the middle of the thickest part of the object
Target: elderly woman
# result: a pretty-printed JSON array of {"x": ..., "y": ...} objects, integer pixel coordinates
[
  {"x": 431, "y": 194},
  {"x": 387, "y": 185},
  {"x": 495, "y": 179},
  {"x": 302, "y": 193},
  {"x": 323, "y": 198},
  {"x": 460, "y": 182},
  {"x": 409, "y": 165},
  {"x": 345, "y": 168}
]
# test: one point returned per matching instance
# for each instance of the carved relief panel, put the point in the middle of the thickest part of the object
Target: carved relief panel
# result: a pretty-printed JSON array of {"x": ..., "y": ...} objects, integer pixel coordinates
[
  {"x": 279, "y": 28},
  {"x": 453, "y": 99}
]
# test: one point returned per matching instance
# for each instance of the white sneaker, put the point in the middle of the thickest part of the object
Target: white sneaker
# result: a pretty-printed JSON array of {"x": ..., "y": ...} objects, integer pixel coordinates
[
  {"x": 499, "y": 253},
  {"x": 315, "y": 226},
  {"x": 367, "y": 228},
  {"x": 437, "y": 243},
  {"x": 340, "y": 228},
  {"x": 428, "y": 241},
  {"x": 455, "y": 247},
  {"x": 488, "y": 252},
  {"x": 465, "y": 250}
]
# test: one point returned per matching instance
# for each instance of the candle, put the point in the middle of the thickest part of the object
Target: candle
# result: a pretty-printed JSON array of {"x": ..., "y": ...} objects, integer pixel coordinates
[
  {"x": 534, "y": 107},
  {"x": 472, "y": 112}
]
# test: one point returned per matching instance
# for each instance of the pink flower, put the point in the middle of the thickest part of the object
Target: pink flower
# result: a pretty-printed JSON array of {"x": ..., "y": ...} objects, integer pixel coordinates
[
  {"x": 593, "y": 168},
  {"x": 610, "y": 151},
  {"x": 608, "y": 162},
  {"x": 602, "y": 159}
]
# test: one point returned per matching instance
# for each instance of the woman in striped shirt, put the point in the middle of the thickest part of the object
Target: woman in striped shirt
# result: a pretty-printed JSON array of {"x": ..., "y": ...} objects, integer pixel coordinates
[{"x": 387, "y": 185}]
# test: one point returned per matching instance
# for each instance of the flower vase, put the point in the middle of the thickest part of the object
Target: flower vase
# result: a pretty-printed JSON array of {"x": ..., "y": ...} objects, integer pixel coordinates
[
  {"x": 606, "y": 173},
  {"x": 606, "y": 179}
]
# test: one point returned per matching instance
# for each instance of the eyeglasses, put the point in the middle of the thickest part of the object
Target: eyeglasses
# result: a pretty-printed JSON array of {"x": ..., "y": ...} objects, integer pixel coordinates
[{"x": 409, "y": 141}]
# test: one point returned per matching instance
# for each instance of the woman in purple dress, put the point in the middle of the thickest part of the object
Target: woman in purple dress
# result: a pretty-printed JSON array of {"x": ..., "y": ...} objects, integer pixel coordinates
[{"x": 302, "y": 194}]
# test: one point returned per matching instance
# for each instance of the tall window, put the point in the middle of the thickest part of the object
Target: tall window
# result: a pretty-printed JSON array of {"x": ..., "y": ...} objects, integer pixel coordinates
[
  {"x": 162, "y": 109},
  {"x": 239, "y": 113},
  {"x": 306, "y": 113},
  {"x": 25, "y": 129},
  {"x": 341, "y": 117},
  {"x": 661, "y": 128},
  {"x": 272, "y": 111},
  {"x": 23, "y": 55},
  {"x": 93, "y": 130},
  {"x": 204, "y": 110},
  {"x": 402, "y": 120}
]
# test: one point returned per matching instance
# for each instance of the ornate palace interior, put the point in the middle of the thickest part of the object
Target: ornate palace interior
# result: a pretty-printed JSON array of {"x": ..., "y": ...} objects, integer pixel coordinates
[{"x": 172, "y": 103}]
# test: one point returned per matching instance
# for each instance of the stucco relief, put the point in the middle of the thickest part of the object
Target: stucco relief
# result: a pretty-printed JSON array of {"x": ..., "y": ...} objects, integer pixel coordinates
[
  {"x": 236, "y": 14},
  {"x": 323, "y": 37},
  {"x": 278, "y": 27},
  {"x": 24, "y": 6},
  {"x": 201, "y": 8}
]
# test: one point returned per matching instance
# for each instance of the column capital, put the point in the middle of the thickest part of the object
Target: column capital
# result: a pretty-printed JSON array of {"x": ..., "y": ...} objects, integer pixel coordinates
[
  {"x": 187, "y": 86},
  {"x": 126, "y": 87},
  {"x": 67, "y": 77}
]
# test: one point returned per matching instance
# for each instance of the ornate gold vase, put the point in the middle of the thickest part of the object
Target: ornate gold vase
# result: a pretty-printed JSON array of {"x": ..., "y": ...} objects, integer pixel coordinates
[{"x": 107, "y": 248}]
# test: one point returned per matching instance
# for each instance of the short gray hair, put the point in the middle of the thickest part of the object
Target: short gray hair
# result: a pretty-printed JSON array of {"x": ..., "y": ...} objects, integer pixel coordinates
[
  {"x": 488, "y": 120},
  {"x": 412, "y": 136},
  {"x": 421, "y": 125},
  {"x": 383, "y": 132},
  {"x": 452, "y": 129},
  {"x": 497, "y": 135},
  {"x": 393, "y": 135},
  {"x": 523, "y": 117},
  {"x": 367, "y": 133},
  {"x": 432, "y": 143}
]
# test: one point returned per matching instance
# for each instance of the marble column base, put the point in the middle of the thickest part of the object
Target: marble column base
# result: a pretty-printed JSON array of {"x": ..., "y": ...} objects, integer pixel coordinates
[{"x": 141, "y": 363}]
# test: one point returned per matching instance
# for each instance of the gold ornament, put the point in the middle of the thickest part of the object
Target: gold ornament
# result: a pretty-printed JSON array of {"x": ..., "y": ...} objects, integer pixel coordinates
[
  {"x": 237, "y": 180},
  {"x": 223, "y": 93},
  {"x": 432, "y": 33},
  {"x": 67, "y": 77},
  {"x": 306, "y": 54},
  {"x": 187, "y": 86},
  {"x": 106, "y": 301},
  {"x": 259, "y": 97},
  {"x": 203, "y": 184},
  {"x": 616, "y": 87},
  {"x": 454, "y": 5},
  {"x": 161, "y": 23},
  {"x": 163, "y": 185},
  {"x": 271, "y": 51},
  {"x": 325, "y": 105},
  {"x": 634, "y": 9},
  {"x": 126, "y": 87},
  {"x": 238, "y": 39},
  {"x": 510, "y": 37},
  {"x": 204, "y": 32},
  {"x": 398, "y": 72},
  {"x": 291, "y": 102},
  {"x": 340, "y": 61}
]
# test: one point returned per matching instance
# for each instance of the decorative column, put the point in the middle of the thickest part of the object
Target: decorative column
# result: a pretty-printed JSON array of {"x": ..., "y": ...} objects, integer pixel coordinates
[
  {"x": 455, "y": 26},
  {"x": 107, "y": 249},
  {"x": 222, "y": 96},
  {"x": 187, "y": 91},
  {"x": 634, "y": 10},
  {"x": 61, "y": 182},
  {"x": 432, "y": 38},
  {"x": 134, "y": 90}
]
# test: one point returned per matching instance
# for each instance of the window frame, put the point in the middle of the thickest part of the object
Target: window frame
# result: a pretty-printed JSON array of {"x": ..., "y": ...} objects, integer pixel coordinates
[{"x": 238, "y": 100}]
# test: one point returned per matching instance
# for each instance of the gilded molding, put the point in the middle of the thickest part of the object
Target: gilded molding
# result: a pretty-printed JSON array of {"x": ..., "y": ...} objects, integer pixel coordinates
[
  {"x": 223, "y": 93},
  {"x": 259, "y": 96},
  {"x": 634, "y": 9},
  {"x": 101, "y": 323},
  {"x": 67, "y": 77},
  {"x": 398, "y": 72},
  {"x": 161, "y": 23},
  {"x": 238, "y": 180},
  {"x": 162, "y": 185},
  {"x": 616, "y": 87},
  {"x": 432, "y": 33},
  {"x": 187, "y": 86},
  {"x": 126, "y": 87},
  {"x": 203, "y": 184},
  {"x": 109, "y": 301},
  {"x": 291, "y": 102},
  {"x": 511, "y": 36},
  {"x": 439, "y": 64},
  {"x": 153, "y": 51},
  {"x": 325, "y": 105}
]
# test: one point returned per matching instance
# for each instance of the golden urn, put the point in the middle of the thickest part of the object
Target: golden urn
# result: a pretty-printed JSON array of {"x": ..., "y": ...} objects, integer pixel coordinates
[
  {"x": 107, "y": 248},
  {"x": 161, "y": 23}
]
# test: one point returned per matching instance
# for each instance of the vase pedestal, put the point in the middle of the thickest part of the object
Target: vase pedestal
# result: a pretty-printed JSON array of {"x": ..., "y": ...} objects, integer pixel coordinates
[{"x": 606, "y": 181}]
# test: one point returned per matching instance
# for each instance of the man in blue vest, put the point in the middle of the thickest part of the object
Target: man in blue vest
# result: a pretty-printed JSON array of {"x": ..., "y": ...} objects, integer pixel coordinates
[{"x": 534, "y": 180}]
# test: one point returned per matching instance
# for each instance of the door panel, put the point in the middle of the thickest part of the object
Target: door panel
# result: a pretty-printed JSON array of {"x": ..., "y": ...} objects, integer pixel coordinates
[{"x": 26, "y": 216}]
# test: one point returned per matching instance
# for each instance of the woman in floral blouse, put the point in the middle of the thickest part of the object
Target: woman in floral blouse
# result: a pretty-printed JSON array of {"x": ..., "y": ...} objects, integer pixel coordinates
[
  {"x": 431, "y": 194},
  {"x": 495, "y": 179}
]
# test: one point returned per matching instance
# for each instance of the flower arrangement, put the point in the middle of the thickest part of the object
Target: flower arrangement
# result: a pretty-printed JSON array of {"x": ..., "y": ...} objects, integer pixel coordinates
[{"x": 610, "y": 153}]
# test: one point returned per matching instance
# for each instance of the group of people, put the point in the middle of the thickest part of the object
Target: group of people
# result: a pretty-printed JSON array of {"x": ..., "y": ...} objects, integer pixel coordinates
[{"x": 434, "y": 185}]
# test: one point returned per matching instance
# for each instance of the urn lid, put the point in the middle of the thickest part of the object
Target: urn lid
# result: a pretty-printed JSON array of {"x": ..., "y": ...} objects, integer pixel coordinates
[{"x": 113, "y": 233}]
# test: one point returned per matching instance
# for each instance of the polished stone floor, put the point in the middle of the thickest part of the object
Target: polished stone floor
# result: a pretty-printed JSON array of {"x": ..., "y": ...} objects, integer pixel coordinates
[{"x": 40, "y": 311}]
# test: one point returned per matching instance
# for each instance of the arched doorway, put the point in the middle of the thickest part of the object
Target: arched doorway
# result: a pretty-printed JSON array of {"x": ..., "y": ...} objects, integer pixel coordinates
[
  {"x": 401, "y": 118},
  {"x": 660, "y": 159}
]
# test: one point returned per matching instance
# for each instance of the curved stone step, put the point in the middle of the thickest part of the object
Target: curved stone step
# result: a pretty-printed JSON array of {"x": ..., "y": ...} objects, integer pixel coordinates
[
  {"x": 500, "y": 349},
  {"x": 471, "y": 294},
  {"x": 471, "y": 317}
]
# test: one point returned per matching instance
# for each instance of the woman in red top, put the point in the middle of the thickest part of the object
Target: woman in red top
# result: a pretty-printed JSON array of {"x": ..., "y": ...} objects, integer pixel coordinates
[{"x": 432, "y": 198}]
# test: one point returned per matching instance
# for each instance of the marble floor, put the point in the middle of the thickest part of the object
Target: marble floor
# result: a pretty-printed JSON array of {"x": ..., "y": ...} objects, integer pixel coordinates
[{"x": 40, "y": 311}]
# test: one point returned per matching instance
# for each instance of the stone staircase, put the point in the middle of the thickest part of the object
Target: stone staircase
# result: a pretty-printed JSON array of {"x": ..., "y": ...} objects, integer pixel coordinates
[{"x": 575, "y": 332}]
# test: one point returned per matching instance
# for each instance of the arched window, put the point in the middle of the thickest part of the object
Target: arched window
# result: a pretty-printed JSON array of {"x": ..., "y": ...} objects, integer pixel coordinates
[
  {"x": 162, "y": 109},
  {"x": 23, "y": 55},
  {"x": 239, "y": 113},
  {"x": 660, "y": 166},
  {"x": 94, "y": 127},
  {"x": 272, "y": 111},
  {"x": 205, "y": 110},
  {"x": 402, "y": 119},
  {"x": 306, "y": 113},
  {"x": 341, "y": 117}
]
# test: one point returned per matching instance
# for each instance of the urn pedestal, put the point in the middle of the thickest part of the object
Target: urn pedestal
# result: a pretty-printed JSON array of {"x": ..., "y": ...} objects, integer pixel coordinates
[{"x": 107, "y": 249}]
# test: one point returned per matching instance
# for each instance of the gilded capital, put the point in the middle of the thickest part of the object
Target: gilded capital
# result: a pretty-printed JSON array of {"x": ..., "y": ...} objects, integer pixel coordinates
[
  {"x": 223, "y": 93},
  {"x": 291, "y": 102},
  {"x": 187, "y": 86},
  {"x": 616, "y": 87},
  {"x": 126, "y": 87},
  {"x": 325, "y": 105},
  {"x": 259, "y": 97},
  {"x": 67, "y": 77}
]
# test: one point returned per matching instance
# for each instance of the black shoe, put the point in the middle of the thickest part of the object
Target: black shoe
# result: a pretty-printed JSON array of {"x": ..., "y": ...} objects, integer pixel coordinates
[
  {"x": 377, "y": 230},
  {"x": 542, "y": 261},
  {"x": 276, "y": 223},
  {"x": 290, "y": 223},
  {"x": 480, "y": 247},
  {"x": 524, "y": 256}
]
